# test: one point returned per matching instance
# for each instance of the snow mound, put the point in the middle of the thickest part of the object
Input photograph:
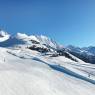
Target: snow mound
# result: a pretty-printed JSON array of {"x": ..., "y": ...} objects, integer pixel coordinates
[{"x": 4, "y": 36}]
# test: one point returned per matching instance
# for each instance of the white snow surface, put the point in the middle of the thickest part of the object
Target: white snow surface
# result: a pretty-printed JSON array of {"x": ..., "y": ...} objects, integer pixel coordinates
[
  {"x": 4, "y": 36},
  {"x": 27, "y": 72}
]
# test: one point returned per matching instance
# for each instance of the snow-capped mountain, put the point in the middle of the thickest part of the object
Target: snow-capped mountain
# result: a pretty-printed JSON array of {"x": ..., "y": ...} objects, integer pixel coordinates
[
  {"x": 7, "y": 40},
  {"x": 35, "y": 39},
  {"x": 86, "y": 54},
  {"x": 37, "y": 65},
  {"x": 89, "y": 50},
  {"x": 4, "y": 36},
  {"x": 41, "y": 44}
]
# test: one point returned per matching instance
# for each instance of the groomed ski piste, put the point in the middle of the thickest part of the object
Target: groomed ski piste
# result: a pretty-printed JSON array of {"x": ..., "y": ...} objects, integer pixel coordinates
[{"x": 29, "y": 72}]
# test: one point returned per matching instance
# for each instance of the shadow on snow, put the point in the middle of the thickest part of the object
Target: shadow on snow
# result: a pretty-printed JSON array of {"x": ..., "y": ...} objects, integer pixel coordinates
[{"x": 66, "y": 71}]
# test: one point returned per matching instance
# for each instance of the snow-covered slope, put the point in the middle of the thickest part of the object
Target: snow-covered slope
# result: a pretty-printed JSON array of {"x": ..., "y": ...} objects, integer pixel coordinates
[
  {"x": 37, "y": 65},
  {"x": 27, "y": 72}
]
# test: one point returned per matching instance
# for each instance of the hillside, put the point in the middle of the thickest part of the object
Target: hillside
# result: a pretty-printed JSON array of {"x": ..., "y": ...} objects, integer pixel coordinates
[{"x": 39, "y": 67}]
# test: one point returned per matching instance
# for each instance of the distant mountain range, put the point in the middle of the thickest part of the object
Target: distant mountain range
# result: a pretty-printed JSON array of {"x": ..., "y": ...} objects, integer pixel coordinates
[{"x": 86, "y": 54}]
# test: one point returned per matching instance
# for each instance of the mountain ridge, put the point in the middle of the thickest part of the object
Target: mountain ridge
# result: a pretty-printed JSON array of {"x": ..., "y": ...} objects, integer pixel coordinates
[
  {"x": 43, "y": 43},
  {"x": 86, "y": 54}
]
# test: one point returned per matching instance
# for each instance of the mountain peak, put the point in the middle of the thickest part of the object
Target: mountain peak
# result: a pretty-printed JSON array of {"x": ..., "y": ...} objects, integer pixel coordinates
[
  {"x": 24, "y": 39},
  {"x": 4, "y": 35}
]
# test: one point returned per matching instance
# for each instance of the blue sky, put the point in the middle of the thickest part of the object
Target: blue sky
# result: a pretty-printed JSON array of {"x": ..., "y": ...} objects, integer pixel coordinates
[{"x": 66, "y": 21}]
